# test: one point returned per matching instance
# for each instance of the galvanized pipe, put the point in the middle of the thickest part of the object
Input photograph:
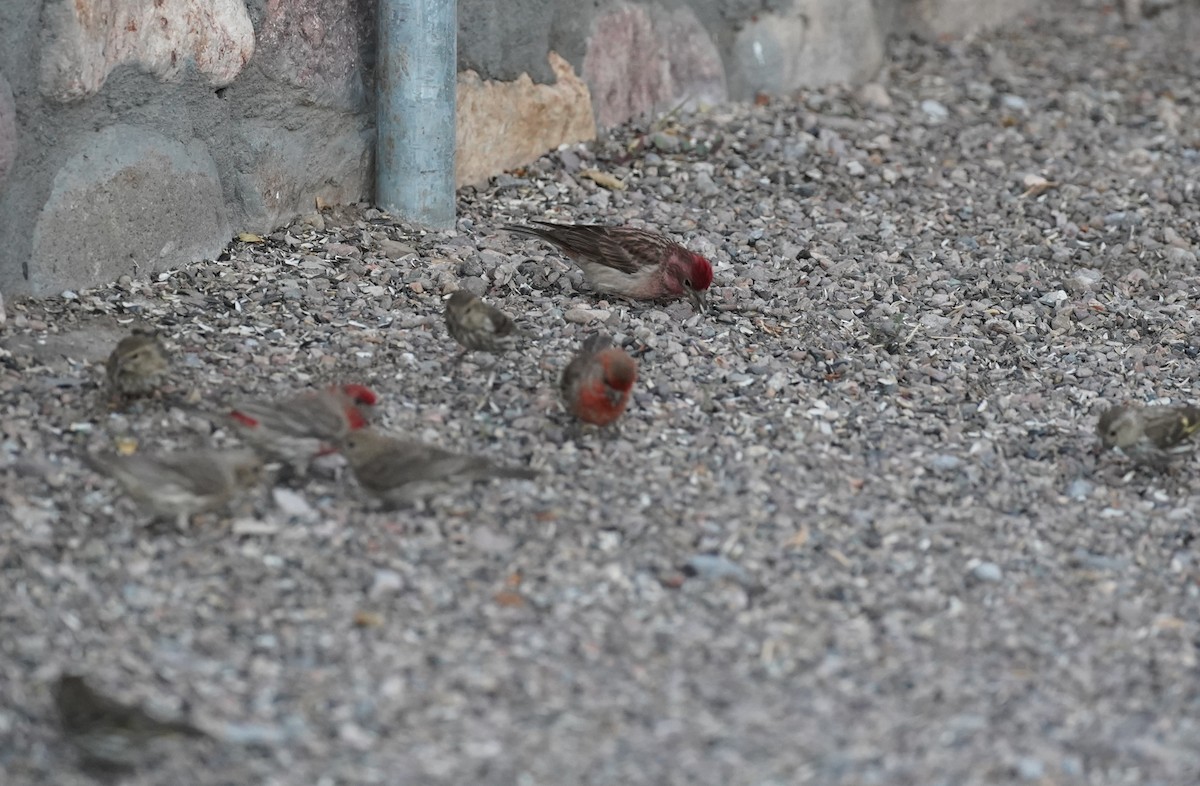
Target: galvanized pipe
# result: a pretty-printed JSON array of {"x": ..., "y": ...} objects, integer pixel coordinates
[{"x": 417, "y": 90}]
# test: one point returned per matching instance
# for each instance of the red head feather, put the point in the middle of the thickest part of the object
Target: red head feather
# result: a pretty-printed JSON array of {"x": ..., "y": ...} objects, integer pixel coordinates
[
  {"x": 360, "y": 394},
  {"x": 355, "y": 419},
  {"x": 244, "y": 419},
  {"x": 701, "y": 273}
]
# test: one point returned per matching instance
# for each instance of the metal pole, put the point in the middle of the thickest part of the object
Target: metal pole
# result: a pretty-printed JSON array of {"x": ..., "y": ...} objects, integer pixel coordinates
[{"x": 417, "y": 90}]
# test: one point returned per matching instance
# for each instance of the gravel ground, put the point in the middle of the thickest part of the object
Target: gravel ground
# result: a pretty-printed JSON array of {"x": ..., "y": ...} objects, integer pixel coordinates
[{"x": 853, "y": 529}]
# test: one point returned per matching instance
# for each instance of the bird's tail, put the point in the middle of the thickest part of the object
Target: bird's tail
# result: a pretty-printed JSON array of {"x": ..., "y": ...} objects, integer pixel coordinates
[
  {"x": 183, "y": 729},
  {"x": 98, "y": 462},
  {"x": 526, "y": 230},
  {"x": 1191, "y": 420},
  {"x": 520, "y": 473}
]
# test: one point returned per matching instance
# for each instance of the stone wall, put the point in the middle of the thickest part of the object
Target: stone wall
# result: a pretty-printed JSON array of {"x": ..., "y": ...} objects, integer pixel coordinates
[{"x": 137, "y": 135}]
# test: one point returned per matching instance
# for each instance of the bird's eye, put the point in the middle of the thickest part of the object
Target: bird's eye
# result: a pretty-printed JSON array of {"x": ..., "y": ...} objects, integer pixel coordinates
[{"x": 687, "y": 282}]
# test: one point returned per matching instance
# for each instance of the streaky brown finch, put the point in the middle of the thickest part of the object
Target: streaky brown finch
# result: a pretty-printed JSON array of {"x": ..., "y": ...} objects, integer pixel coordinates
[
  {"x": 479, "y": 326},
  {"x": 400, "y": 471},
  {"x": 297, "y": 429},
  {"x": 175, "y": 485},
  {"x": 137, "y": 366},
  {"x": 597, "y": 383},
  {"x": 633, "y": 263},
  {"x": 108, "y": 734},
  {"x": 1151, "y": 436}
]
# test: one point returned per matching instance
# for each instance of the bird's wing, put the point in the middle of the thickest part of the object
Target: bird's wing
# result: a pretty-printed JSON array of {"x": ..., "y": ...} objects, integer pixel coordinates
[
  {"x": 199, "y": 473},
  {"x": 591, "y": 242},
  {"x": 313, "y": 414},
  {"x": 582, "y": 364},
  {"x": 498, "y": 322},
  {"x": 642, "y": 247},
  {"x": 1171, "y": 426}
]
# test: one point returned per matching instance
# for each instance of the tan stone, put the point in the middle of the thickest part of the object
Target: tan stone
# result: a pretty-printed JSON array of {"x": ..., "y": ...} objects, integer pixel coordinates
[
  {"x": 86, "y": 39},
  {"x": 503, "y": 125}
]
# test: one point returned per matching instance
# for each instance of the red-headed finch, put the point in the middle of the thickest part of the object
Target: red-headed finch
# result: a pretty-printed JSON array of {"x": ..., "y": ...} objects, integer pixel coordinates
[
  {"x": 1149, "y": 435},
  {"x": 137, "y": 366},
  {"x": 400, "y": 471},
  {"x": 597, "y": 382},
  {"x": 631, "y": 262},
  {"x": 178, "y": 484},
  {"x": 299, "y": 428},
  {"x": 107, "y": 733},
  {"x": 479, "y": 326}
]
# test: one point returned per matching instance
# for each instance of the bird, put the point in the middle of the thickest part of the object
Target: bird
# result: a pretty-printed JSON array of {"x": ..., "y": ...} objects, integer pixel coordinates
[
  {"x": 400, "y": 471},
  {"x": 137, "y": 366},
  {"x": 1149, "y": 435},
  {"x": 634, "y": 263},
  {"x": 297, "y": 429},
  {"x": 178, "y": 484},
  {"x": 596, "y": 384},
  {"x": 107, "y": 733},
  {"x": 478, "y": 326}
]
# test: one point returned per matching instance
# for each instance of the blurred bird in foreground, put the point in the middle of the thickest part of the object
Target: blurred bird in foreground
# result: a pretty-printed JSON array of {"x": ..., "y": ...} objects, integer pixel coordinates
[
  {"x": 297, "y": 429},
  {"x": 478, "y": 326},
  {"x": 1149, "y": 435},
  {"x": 107, "y": 733},
  {"x": 178, "y": 484},
  {"x": 400, "y": 471},
  {"x": 137, "y": 367},
  {"x": 631, "y": 262},
  {"x": 596, "y": 384}
]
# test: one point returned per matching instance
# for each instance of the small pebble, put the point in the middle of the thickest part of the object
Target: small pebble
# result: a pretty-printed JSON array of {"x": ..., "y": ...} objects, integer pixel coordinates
[
  {"x": 935, "y": 110},
  {"x": 987, "y": 571},
  {"x": 385, "y": 583}
]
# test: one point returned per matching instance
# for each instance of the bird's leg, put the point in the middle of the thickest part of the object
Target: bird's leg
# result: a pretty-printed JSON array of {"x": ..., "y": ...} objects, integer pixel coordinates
[
  {"x": 487, "y": 390},
  {"x": 114, "y": 400},
  {"x": 157, "y": 522},
  {"x": 483, "y": 402},
  {"x": 487, "y": 386}
]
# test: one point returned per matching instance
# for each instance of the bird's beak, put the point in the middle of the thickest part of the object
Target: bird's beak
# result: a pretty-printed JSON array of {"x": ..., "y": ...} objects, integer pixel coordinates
[{"x": 697, "y": 298}]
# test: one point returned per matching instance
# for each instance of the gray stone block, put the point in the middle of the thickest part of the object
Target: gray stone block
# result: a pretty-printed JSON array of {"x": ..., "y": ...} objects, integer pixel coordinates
[
  {"x": 644, "y": 59},
  {"x": 8, "y": 130},
  {"x": 129, "y": 201},
  {"x": 319, "y": 155},
  {"x": 324, "y": 47},
  {"x": 814, "y": 43}
]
